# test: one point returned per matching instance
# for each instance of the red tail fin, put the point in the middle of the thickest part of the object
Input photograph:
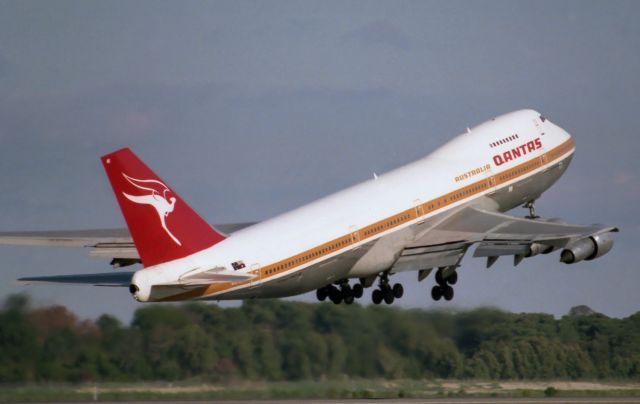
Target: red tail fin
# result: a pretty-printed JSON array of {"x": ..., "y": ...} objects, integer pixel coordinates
[{"x": 162, "y": 225}]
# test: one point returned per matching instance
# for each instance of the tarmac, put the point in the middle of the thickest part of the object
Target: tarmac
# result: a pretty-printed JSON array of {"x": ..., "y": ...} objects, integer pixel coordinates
[{"x": 546, "y": 400}]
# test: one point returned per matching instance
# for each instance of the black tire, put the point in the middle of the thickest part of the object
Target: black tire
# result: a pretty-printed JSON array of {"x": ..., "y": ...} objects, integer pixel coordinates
[
  {"x": 398, "y": 291},
  {"x": 436, "y": 293},
  {"x": 376, "y": 296},
  {"x": 439, "y": 279},
  {"x": 349, "y": 299},
  {"x": 345, "y": 291},
  {"x": 357, "y": 290},
  {"x": 321, "y": 294},
  {"x": 448, "y": 293},
  {"x": 388, "y": 295},
  {"x": 453, "y": 278},
  {"x": 335, "y": 295}
]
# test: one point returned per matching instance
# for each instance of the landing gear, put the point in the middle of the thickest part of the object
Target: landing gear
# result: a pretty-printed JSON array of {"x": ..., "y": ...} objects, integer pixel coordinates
[
  {"x": 358, "y": 290},
  {"x": 531, "y": 205},
  {"x": 398, "y": 291},
  {"x": 443, "y": 287},
  {"x": 376, "y": 296},
  {"x": 322, "y": 294},
  {"x": 385, "y": 292},
  {"x": 340, "y": 292}
]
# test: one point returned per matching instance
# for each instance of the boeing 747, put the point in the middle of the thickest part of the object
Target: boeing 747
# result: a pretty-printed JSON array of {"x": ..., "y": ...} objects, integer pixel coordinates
[{"x": 421, "y": 217}]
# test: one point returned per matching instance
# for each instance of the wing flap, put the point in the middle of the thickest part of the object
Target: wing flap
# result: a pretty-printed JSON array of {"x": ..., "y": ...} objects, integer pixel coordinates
[{"x": 500, "y": 249}]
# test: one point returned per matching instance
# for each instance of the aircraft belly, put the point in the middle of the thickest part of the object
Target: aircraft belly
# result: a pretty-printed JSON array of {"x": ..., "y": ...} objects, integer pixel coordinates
[{"x": 302, "y": 281}]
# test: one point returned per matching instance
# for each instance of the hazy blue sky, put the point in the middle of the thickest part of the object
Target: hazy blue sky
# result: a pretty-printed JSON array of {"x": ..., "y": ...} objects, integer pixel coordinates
[{"x": 249, "y": 109}]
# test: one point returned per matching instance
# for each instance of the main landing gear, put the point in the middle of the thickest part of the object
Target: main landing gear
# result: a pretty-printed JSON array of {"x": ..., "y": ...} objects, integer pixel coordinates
[
  {"x": 385, "y": 292},
  {"x": 340, "y": 292},
  {"x": 443, "y": 287}
]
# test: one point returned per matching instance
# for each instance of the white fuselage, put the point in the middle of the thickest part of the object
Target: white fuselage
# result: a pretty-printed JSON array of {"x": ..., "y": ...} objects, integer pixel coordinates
[{"x": 301, "y": 250}]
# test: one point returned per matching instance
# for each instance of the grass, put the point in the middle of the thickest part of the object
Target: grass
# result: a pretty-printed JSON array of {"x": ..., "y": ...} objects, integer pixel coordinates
[{"x": 342, "y": 389}]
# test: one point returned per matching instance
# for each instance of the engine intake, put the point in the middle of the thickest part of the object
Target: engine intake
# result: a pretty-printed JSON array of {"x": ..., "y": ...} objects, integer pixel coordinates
[{"x": 587, "y": 248}]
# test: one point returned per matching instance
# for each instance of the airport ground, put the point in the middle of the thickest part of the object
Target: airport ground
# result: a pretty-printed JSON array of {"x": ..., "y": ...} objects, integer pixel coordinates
[{"x": 362, "y": 391}]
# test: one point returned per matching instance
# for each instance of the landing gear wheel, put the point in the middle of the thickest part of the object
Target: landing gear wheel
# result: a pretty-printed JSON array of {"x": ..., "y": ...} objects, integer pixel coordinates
[
  {"x": 436, "y": 293},
  {"x": 357, "y": 290},
  {"x": 388, "y": 295},
  {"x": 448, "y": 293},
  {"x": 349, "y": 299},
  {"x": 398, "y": 291},
  {"x": 376, "y": 296},
  {"x": 452, "y": 279},
  {"x": 321, "y": 294},
  {"x": 439, "y": 278},
  {"x": 335, "y": 295},
  {"x": 345, "y": 291}
]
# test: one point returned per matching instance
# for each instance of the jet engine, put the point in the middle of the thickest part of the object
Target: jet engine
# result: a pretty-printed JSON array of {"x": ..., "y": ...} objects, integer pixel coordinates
[{"x": 587, "y": 248}]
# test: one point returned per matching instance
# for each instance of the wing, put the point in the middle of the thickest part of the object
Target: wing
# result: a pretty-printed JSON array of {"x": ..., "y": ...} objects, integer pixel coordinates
[
  {"x": 124, "y": 278},
  {"x": 100, "y": 279},
  {"x": 445, "y": 242},
  {"x": 107, "y": 243}
]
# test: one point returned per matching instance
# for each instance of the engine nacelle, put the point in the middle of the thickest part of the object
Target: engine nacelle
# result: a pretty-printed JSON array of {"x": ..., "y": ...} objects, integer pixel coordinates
[
  {"x": 604, "y": 244},
  {"x": 587, "y": 248}
]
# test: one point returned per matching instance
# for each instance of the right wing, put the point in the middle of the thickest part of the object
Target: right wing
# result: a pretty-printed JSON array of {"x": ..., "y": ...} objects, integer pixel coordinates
[
  {"x": 107, "y": 243},
  {"x": 445, "y": 243}
]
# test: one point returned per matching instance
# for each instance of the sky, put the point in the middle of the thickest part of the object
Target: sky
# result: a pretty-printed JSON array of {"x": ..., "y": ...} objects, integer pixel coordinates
[{"x": 251, "y": 108}]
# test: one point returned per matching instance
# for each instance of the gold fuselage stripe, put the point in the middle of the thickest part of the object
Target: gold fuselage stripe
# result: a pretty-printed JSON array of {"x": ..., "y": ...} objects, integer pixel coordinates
[{"x": 388, "y": 223}]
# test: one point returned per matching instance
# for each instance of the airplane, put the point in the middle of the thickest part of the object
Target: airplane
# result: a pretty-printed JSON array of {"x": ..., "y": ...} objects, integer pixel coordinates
[{"x": 421, "y": 217}]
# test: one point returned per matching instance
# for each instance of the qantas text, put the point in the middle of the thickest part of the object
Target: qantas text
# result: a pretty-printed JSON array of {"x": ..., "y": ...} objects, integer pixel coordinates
[{"x": 518, "y": 152}]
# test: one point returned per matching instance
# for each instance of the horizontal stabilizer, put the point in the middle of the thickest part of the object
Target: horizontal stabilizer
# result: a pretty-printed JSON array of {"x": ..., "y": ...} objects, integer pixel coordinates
[
  {"x": 100, "y": 279},
  {"x": 216, "y": 275}
]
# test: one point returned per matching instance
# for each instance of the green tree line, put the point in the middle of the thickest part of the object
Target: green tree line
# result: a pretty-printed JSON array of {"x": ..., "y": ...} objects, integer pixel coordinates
[{"x": 280, "y": 340}]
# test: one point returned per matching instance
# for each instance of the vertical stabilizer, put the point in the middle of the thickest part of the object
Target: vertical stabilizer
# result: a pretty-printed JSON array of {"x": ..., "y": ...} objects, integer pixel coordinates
[{"x": 162, "y": 225}]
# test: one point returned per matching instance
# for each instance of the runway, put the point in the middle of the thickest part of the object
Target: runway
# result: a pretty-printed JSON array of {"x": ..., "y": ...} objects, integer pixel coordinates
[{"x": 554, "y": 400}]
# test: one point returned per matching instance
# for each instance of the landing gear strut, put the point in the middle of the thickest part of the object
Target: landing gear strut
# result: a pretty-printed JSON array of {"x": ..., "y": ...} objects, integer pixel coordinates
[
  {"x": 531, "y": 205},
  {"x": 385, "y": 292},
  {"x": 443, "y": 287}
]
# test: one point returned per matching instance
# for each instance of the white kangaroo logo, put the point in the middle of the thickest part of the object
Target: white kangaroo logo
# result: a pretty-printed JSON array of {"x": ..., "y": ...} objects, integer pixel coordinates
[{"x": 157, "y": 198}]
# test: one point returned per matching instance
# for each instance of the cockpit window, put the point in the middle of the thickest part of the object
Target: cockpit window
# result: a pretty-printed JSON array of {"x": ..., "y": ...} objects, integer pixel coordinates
[{"x": 542, "y": 118}]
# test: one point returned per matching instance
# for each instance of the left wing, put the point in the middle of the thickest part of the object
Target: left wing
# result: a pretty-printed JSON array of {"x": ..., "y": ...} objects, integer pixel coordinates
[
  {"x": 106, "y": 243},
  {"x": 203, "y": 278},
  {"x": 101, "y": 279},
  {"x": 445, "y": 243}
]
